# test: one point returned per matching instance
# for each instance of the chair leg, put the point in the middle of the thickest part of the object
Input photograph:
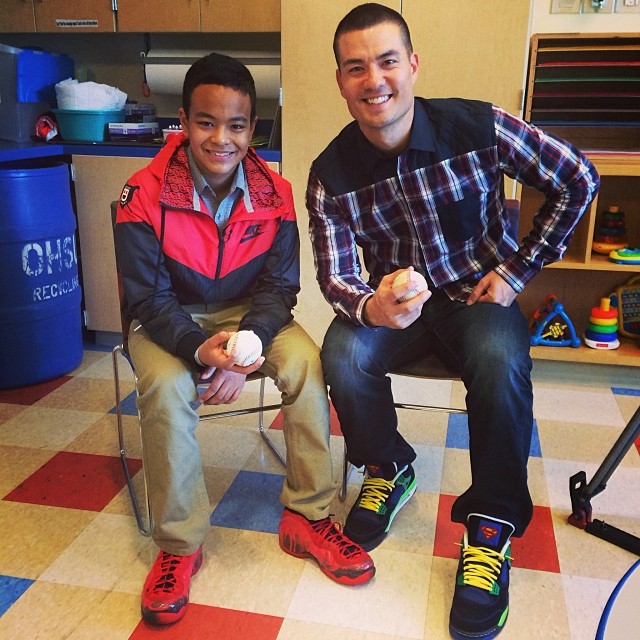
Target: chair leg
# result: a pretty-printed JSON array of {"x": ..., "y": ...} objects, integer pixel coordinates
[
  {"x": 261, "y": 428},
  {"x": 145, "y": 529}
]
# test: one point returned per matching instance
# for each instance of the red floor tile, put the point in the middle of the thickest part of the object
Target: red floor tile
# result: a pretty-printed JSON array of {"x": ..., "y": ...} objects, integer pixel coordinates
[
  {"x": 74, "y": 481},
  {"x": 334, "y": 424},
  {"x": 31, "y": 395},
  {"x": 213, "y": 623},
  {"x": 536, "y": 549}
]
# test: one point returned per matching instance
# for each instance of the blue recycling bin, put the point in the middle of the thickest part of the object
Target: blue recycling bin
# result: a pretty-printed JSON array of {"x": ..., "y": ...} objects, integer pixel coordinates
[{"x": 40, "y": 294}]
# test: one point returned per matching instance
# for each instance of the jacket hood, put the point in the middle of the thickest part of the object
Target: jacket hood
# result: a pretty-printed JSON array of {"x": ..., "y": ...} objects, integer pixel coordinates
[{"x": 170, "y": 167}]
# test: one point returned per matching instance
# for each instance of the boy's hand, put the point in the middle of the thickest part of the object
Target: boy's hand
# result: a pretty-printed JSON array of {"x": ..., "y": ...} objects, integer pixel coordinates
[
  {"x": 212, "y": 354},
  {"x": 225, "y": 387}
]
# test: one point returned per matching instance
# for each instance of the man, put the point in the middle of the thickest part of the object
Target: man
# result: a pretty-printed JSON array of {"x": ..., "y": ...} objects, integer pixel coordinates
[
  {"x": 417, "y": 185},
  {"x": 207, "y": 244}
]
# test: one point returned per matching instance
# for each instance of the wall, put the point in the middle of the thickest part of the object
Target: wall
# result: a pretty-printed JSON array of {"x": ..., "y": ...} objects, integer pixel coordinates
[{"x": 544, "y": 22}]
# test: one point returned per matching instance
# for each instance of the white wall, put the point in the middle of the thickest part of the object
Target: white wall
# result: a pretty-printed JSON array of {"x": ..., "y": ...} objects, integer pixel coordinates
[{"x": 544, "y": 22}]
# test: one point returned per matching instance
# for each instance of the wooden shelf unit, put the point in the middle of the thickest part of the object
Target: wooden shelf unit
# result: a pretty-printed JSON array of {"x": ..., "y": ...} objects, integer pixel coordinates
[{"x": 608, "y": 131}]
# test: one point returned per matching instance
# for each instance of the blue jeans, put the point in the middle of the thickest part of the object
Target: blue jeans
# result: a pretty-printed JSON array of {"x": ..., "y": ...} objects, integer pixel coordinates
[{"x": 489, "y": 346}]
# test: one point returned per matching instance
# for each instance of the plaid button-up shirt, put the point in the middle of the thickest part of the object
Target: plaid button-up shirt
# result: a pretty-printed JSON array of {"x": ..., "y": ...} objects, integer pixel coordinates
[{"x": 439, "y": 205}]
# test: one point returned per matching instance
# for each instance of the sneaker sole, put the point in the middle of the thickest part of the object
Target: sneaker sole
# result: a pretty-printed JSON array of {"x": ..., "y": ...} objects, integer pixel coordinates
[
  {"x": 408, "y": 494},
  {"x": 342, "y": 576},
  {"x": 486, "y": 635}
]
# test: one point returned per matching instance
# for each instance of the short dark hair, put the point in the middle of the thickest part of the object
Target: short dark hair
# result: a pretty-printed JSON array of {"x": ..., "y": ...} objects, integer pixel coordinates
[
  {"x": 222, "y": 70},
  {"x": 368, "y": 15}
]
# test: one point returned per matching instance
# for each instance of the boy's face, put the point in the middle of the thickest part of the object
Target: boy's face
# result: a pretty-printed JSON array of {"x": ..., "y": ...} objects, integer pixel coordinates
[{"x": 219, "y": 129}]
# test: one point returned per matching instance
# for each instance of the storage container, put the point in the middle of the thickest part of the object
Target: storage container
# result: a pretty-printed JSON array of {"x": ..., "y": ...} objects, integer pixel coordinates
[
  {"x": 87, "y": 126},
  {"x": 40, "y": 295}
]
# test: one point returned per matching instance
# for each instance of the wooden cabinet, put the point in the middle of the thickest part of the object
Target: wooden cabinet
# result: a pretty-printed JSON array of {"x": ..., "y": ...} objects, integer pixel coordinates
[
  {"x": 199, "y": 15},
  {"x": 581, "y": 88},
  {"x": 56, "y": 16},
  {"x": 240, "y": 15},
  {"x": 176, "y": 15},
  {"x": 99, "y": 181},
  {"x": 79, "y": 16},
  {"x": 17, "y": 16}
]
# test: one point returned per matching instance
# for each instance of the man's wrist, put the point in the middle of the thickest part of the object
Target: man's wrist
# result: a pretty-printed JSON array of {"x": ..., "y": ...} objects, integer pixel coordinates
[{"x": 366, "y": 318}]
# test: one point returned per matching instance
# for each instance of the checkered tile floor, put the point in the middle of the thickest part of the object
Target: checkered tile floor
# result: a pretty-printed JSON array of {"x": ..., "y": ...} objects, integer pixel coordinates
[{"x": 72, "y": 562}]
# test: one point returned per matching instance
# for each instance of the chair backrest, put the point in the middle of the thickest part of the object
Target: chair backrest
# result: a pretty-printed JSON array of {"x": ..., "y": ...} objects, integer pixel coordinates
[{"x": 125, "y": 321}]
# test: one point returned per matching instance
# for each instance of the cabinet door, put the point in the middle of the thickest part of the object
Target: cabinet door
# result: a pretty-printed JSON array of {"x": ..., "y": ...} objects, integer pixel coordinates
[
  {"x": 475, "y": 49},
  {"x": 165, "y": 15},
  {"x": 74, "y": 16},
  {"x": 99, "y": 181},
  {"x": 240, "y": 15},
  {"x": 17, "y": 16}
]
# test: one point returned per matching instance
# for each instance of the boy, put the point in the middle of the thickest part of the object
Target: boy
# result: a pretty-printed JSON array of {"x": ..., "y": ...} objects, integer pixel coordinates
[{"x": 207, "y": 244}]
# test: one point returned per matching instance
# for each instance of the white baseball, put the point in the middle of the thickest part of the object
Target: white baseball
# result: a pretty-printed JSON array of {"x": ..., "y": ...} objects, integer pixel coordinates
[
  {"x": 245, "y": 346},
  {"x": 417, "y": 280}
]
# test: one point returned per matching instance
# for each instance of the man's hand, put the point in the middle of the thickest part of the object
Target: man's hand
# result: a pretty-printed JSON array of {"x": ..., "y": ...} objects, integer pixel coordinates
[
  {"x": 382, "y": 309},
  {"x": 493, "y": 289}
]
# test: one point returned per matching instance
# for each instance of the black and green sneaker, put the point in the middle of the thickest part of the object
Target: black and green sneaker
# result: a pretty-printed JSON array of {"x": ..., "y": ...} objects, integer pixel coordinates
[
  {"x": 381, "y": 497},
  {"x": 481, "y": 598}
]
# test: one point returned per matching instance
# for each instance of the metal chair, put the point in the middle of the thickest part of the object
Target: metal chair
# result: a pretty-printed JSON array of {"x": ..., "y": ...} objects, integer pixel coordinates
[
  {"x": 430, "y": 367},
  {"x": 121, "y": 351}
]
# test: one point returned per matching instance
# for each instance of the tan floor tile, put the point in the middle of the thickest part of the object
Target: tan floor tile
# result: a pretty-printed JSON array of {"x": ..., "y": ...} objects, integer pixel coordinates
[
  {"x": 18, "y": 463},
  {"x": 401, "y": 586},
  {"x": 297, "y": 629},
  {"x": 101, "y": 438},
  {"x": 61, "y": 612},
  {"x": 86, "y": 394},
  {"x": 108, "y": 554},
  {"x": 247, "y": 570},
  {"x": 8, "y": 411},
  {"x": 561, "y": 403},
  {"x": 34, "y": 536},
  {"x": 585, "y": 600},
  {"x": 46, "y": 428}
]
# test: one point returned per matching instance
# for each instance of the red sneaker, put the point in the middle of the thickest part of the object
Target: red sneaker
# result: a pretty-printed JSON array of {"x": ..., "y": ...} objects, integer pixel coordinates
[
  {"x": 165, "y": 594},
  {"x": 337, "y": 556}
]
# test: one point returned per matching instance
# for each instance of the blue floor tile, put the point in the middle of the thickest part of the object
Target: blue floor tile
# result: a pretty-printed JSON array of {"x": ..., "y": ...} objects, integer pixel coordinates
[
  {"x": 251, "y": 502},
  {"x": 10, "y": 590},
  {"x": 458, "y": 435}
]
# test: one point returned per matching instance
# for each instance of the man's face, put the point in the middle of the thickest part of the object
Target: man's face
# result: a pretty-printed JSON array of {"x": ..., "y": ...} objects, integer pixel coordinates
[
  {"x": 376, "y": 75},
  {"x": 219, "y": 129}
]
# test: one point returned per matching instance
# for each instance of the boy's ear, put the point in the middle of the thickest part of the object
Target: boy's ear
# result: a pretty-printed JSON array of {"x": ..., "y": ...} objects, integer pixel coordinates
[{"x": 184, "y": 121}]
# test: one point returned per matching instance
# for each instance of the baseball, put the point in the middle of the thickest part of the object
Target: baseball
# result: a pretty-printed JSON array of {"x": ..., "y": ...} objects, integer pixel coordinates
[
  {"x": 418, "y": 281},
  {"x": 245, "y": 346}
]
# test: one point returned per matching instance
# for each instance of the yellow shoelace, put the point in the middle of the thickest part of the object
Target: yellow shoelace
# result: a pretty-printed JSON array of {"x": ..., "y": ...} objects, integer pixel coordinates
[
  {"x": 374, "y": 492},
  {"x": 481, "y": 567}
]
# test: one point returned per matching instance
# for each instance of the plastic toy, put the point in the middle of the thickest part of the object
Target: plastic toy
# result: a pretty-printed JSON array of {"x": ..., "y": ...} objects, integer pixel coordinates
[
  {"x": 625, "y": 256},
  {"x": 602, "y": 330},
  {"x": 611, "y": 231},
  {"x": 551, "y": 326},
  {"x": 628, "y": 303}
]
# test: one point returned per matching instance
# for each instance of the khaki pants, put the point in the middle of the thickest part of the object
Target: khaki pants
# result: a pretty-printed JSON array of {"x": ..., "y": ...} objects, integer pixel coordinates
[{"x": 172, "y": 463}]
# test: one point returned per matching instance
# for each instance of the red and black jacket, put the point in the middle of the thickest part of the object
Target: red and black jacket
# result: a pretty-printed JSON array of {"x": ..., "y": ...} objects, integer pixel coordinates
[{"x": 170, "y": 255}]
